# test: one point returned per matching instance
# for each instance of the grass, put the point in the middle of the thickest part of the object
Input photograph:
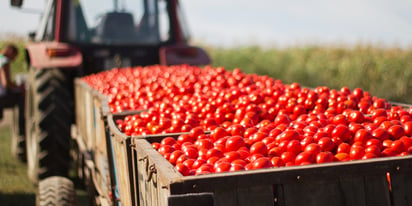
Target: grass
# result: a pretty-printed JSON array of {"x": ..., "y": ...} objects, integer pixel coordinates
[{"x": 15, "y": 187}]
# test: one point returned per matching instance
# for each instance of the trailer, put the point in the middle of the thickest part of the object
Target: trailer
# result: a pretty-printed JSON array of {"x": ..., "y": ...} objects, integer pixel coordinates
[{"x": 127, "y": 170}]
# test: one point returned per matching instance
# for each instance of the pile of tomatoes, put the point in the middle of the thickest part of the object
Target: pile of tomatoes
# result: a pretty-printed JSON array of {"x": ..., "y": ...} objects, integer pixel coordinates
[{"x": 236, "y": 121}]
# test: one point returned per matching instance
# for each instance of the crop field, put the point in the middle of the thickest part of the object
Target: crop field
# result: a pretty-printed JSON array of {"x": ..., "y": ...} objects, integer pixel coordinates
[{"x": 384, "y": 72}]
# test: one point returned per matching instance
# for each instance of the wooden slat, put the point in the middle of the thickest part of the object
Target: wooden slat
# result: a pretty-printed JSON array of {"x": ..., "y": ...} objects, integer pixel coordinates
[
  {"x": 401, "y": 184},
  {"x": 191, "y": 199}
]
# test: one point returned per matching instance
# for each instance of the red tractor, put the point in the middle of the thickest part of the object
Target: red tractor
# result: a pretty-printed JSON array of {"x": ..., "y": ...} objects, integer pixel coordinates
[{"x": 80, "y": 37}]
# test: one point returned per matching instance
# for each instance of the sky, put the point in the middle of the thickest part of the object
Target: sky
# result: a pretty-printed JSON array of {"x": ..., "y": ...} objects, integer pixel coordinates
[{"x": 272, "y": 22}]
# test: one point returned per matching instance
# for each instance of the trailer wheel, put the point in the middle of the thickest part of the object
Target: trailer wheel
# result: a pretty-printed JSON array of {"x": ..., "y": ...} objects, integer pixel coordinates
[
  {"x": 49, "y": 115},
  {"x": 18, "y": 142},
  {"x": 57, "y": 191}
]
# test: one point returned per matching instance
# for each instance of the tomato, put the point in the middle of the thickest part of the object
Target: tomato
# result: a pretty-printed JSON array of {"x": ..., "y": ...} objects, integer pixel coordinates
[
  {"x": 197, "y": 163},
  {"x": 313, "y": 149},
  {"x": 233, "y": 143},
  {"x": 232, "y": 156},
  {"x": 222, "y": 166},
  {"x": 343, "y": 148},
  {"x": 236, "y": 130},
  {"x": 356, "y": 153},
  {"x": 288, "y": 157},
  {"x": 204, "y": 169},
  {"x": 183, "y": 169},
  {"x": 326, "y": 144},
  {"x": 381, "y": 134},
  {"x": 262, "y": 162},
  {"x": 398, "y": 146},
  {"x": 324, "y": 157},
  {"x": 214, "y": 153},
  {"x": 218, "y": 133},
  {"x": 342, "y": 157},
  {"x": 236, "y": 167},
  {"x": 362, "y": 135},
  {"x": 407, "y": 141},
  {"x": 163, "y": 149},
  {"x": 407, "y": 126},
  {"x": 343, "y": 132},
  {"x": 204, "y": 144},
  {"x": 259, "y": 148},
  {"x": 277, "y": 162},
  {"x": 373, "y": 149},
  {"x": 191, "y": 152},
  {"x": 189, "y": 163},
  {"x": 168, "y": 141},
  {"x": 396, "y": 131},
  {"x": 305, "y": 157},
  {"x": 288, "y": 136},
  {"x": 294, "y": 146}
]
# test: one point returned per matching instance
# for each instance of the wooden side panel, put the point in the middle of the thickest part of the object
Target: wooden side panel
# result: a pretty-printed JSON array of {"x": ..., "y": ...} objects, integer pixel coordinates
[
  {"x": 190, "y": 199},
  {"x": 121, "y": 145},
  {"x": 401, "y": 185}
]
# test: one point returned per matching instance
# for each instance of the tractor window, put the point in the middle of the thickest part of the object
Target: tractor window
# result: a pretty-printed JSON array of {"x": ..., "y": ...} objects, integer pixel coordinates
[
  {"x": 183, "y": 23},
  {"x": 117, "y": 22},
  {"x": 49, "y": 31}
]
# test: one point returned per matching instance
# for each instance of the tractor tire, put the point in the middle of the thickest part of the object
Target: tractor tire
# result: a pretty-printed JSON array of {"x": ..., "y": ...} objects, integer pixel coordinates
[
  {"x": 18, "y": 142},
  {"x": 56, "y": 191},
  {"x": 49, "y": 115}
]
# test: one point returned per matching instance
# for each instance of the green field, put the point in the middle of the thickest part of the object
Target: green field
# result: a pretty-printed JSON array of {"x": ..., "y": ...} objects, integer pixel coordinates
[{"x": 384, "y": 72}]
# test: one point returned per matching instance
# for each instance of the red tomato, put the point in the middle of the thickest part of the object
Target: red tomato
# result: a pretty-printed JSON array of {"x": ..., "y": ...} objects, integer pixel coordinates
[
  {"x": 287, "y": 136},
  {"x": 294, "y": 146},
  {"x": 204, "y": 169},
  {"x": 362, "y": 135},
  {"x": 396, "y": 131},
  {"x": 381, "y": 134},
  {"x": 259, "y": 148},
  {"x": 168, "y": 141},
  {"x": 407, "y": 126},
  {"x": 232, "y": 155},
  {"x": 218, "y": 133},
  {"x": 204, "y": 144},
  {"x": 356, "y": 153},
  {"x": 233, "y": 143},
  {"x": 324, "y": 157},
  {"x": 277, "y": 162},
  {"x": 288, "y": 157},
  {"x": 326, "y": 144},
  {"x": 183, "y": 169},
  {"x": 343, "y": 132},
  {"x": 304, "y": 158},
  {"x": 189, "y": 163},
  {"x": 197, "y": 163},
  {"x": 236, "y": 129},
  {"x": 343, "y": 148},
  {"x": 222, "y": 166},
  {"x": 214, "y": 153},
  {"x": 373, "y": 149},
  {"x": 313, "y": 149},
  {"x": 398, "y": 147},
  {"x": 262, "y": 162},
  {"x": 342, "y": 157}
]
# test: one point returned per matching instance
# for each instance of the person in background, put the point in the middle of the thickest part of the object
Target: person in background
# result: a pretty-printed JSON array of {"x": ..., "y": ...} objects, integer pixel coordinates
[{"x": 11, "y": 94}]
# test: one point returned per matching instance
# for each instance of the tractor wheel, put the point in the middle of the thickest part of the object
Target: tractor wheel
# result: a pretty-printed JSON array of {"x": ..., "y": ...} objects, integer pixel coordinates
[
  {"x": 49, "y": 115},
  {"x": 18, "y": 142},
  {"x": 56, "y": 191}
]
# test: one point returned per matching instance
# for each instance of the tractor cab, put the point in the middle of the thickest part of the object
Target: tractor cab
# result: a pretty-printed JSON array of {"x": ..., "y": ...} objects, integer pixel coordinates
[{"x": 119, "y": 33}]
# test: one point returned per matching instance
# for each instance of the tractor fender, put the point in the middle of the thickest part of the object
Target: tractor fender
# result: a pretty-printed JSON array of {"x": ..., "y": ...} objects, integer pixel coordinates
[{"x": 42, "y": 55}]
